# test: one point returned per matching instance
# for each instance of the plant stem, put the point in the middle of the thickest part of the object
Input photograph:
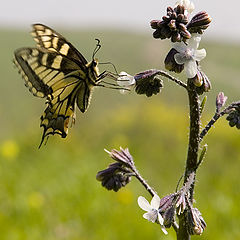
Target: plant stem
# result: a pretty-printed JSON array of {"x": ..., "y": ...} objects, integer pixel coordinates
[
  {"x": 217, "y": 116},
  {"x": 143, "y": 182},
  {"x": 210, "y": 124},
  {"x": 179, "y": 82},
  {"x": 193, "y": 148}
]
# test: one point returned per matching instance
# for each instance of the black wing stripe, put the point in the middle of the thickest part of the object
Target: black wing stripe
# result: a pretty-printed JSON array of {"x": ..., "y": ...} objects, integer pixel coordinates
[
  {"x": 33, "y": 82},
  {"x": 51, "y": 40}
]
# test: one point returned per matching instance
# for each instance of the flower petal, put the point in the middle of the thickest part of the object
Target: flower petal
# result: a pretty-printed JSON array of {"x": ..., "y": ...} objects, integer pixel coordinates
[
  {"x": 189, "y": 6},
  {"x": 164, "y": 230},
  {"x": 179, "y": 46},
  {"x": 144, "y": 204},
  {"x": 191, "y": 68},
  {"x": 160, "y": 219},
  {"x": 125, "y": 79},
  {"x": 180, "y": 58},
  {"x": 200, "y": 54},
  {"x": 151, "y": 216},
  {"x": 155, "y": 202},
  {"x": 194, "y": 41}
]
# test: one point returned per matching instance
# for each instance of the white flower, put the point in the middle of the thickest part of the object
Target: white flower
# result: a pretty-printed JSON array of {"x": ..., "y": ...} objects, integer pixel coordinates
[
  {"x": 189, "y": 6},
  {"x": 126, "y": 81},
  {"x": 152, "y": 214},
  {"x": 188, "y": 54}
]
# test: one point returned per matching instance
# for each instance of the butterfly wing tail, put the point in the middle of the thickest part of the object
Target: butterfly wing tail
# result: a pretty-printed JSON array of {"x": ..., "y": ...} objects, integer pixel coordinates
[{"x": 56, "y": 120}]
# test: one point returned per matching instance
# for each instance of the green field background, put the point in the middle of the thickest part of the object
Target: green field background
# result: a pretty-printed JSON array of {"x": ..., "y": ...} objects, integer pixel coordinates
[{"x": 52, "y": 193}]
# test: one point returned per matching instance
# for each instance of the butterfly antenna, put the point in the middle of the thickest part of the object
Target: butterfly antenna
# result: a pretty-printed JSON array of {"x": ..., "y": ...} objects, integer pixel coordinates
[
  {"x": 98, "y": 46},
  {"x": 115, "y": 69}
]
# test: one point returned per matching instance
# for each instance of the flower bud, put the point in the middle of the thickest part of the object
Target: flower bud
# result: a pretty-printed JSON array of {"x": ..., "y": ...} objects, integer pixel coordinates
[
  {"x": 199, "y": 22},
  {"x": 195, "y": 221},
  {"x": 170, "y": 63},
  {"x": 147, "y": 83},
  {"x": 197, "y": 80},
  {"x": 220, "y": 101},
  {"x": 114, "y": 177},
  {"x": 172, "y": 26},
  {"x": 206, "y": 84},
  {"x": 154, "y": 24},
  {"x": 234, "y": 118},
  {"x": 167, "y": 209}
]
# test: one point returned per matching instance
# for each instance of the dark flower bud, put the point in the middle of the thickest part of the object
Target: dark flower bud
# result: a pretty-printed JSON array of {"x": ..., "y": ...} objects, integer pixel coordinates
[
  {"x": 195, "y": 221},
  {"x": 154, "y": 24},
  {"x": 170, "y": 63},
  {"x": 234, "y": 118},
  {"x": 166, "y": 18},
  {"x": 114, "y": 177},
  {"x": 169, "y": 216},
  {"x": 180, "y": 18},
  {"x": 167, "y": 209},
  {"x": 167, "y": 202},
  {"x": 166, "y": 32},
  {"x": 220, "y": 101},
  {"x": 199, "y": 22},
  {"x": 179, "y": 9},
  {"x": 147, "y": 83},
  {"x": 206, "y": 84},
  {"x": 157, "y": 34},
  {"x": 169, "y": 11},
  {"x": 197, "y": 80},
  {"x": 172, "y": 26}
]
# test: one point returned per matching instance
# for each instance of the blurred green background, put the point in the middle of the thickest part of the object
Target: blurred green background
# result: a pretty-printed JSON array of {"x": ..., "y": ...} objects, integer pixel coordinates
[{"x": 52, "y": 193}]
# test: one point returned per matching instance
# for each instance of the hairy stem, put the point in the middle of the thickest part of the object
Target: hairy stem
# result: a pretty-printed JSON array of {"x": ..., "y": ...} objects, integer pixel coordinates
[
  {"x": 166, "y": 75},
  {"x": 216, "y": 117},
  {"x": 210, "y": 124},
  {"x": 193, "y": 148},
  {"x": 144, "y": 182}
]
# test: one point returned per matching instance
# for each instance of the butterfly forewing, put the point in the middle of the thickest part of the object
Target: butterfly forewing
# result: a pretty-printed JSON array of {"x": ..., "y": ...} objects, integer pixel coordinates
[{"x": 49, "y": 39}]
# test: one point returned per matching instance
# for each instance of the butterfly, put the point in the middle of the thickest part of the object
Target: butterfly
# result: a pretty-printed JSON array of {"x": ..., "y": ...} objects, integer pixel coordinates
[{"x": 57, "y": 71}]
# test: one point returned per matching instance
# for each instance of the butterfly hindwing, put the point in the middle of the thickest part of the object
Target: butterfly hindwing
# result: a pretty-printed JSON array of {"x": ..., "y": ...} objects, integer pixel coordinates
[
  {"x": 60, "y": 112},
  {"x": 83, "y": 97}
]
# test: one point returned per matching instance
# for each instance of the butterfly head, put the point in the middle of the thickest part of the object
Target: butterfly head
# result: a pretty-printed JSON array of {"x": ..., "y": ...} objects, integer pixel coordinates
[{"x": 93, "y": 70}]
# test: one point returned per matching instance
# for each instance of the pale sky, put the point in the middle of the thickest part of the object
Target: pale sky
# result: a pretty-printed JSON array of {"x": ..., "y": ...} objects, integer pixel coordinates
[{"x": 132, "y": 15}]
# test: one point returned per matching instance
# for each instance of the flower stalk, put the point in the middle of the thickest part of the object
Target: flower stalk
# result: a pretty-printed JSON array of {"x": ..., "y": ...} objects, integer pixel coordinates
[{"x": 193, "y": 148}]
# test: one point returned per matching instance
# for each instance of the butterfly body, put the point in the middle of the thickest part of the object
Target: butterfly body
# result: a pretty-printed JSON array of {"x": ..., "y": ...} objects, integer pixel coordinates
[{"x": 57, "y": 71}]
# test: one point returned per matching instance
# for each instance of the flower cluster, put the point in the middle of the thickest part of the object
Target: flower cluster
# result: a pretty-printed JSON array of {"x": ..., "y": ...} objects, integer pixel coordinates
[
  {"x": 148, "y": 83},
  {"x": 234, "y": 118},
  {"x": 176, "y": 25},
  {"x": 114, "y": 177},
  {"x": 118, "y": 174},
  {"x": 172, "y": 26},
  {"x": 163, "y": 211},
  {"x": 185, "y": 35}
]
